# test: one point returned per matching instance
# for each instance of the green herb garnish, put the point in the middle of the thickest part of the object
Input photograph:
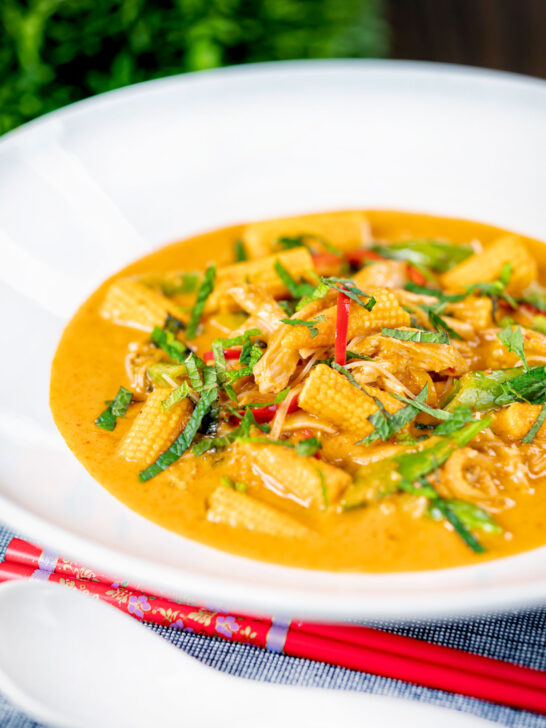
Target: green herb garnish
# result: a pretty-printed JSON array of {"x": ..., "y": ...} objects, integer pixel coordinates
[
  {"x": 512, "y": 338},
  {"x": 160, "y": 372},
  {"x": 205, "y": 289},
  {"x": 346, "y": 373},
  {"x": 240, "y": 252},
  {"x": 311, "y": 325},
  {"x": 350, "y": 289},
  {"x": 237, "y": 485},
  {"x": 429, "y": 337},
  {"x": 530, "y": 436},
  {"x": 435, "y": 254},
  {"x": 182, "y": 283},
  {"x": 296, "y": 290},
  {"x": 308, "y": 447},
  {"x": 175, "y": 396},
  {"x": 117, "y": 408},
  {"x": 167, "y": 341},
  {"x": 386, "y": 425}
]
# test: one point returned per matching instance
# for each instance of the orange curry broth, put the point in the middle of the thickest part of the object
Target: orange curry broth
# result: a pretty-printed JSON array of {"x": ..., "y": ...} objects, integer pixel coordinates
[{"x": 89, "y": 367}]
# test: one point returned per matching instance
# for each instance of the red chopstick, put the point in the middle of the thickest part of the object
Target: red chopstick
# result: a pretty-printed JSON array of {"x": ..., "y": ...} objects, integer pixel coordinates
[{"x": 356, "y": 647}]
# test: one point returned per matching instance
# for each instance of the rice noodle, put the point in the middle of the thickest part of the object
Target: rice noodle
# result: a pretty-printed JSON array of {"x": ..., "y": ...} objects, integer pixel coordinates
[{"x": 282, "y": 411}]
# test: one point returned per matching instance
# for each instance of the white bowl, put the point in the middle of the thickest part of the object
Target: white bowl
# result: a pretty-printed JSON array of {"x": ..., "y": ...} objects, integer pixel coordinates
[{"x": 86, "y": 189}]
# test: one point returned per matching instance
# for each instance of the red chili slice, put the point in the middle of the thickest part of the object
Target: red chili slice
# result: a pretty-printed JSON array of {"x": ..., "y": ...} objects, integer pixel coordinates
[
  {"x": 415, "y": 275},
  {"x": 342, "y": 327},
  {"x": 228, "y": 353},
  {"x": 266, "y": 414},
  {"x": 356, "y": 257}
]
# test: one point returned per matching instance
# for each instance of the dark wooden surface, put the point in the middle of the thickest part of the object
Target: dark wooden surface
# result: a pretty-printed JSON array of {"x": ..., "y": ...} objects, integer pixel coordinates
[{"x": 505, "y": 34}]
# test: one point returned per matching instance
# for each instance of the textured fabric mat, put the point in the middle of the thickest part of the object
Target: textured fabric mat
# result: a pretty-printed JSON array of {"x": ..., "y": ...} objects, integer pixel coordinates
[{"x": 518, "y": 636}]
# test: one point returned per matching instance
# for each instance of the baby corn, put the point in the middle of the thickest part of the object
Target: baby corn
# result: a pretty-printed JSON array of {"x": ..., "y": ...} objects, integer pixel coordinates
[
  {"x": 344, "y": 230},
  {"x": 514, "y": 422},
  {"x": 154, "y": 429},
  {"x": 231, "y": 508},
  {"x": 131, "y": 303},
  {"x": 310, "y": 482},
  {"x": 261, "y": 273},
  {"x": 329, "y": 395},
  {"x": 487, "y": 266}
]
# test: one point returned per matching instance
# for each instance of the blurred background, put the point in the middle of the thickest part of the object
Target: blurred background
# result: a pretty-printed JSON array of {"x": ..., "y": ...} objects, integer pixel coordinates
[{"x": 54, "y": 52}]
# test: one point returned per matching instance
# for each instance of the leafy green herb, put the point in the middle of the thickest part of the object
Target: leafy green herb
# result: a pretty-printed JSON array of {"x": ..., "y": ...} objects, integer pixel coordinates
[
  {"x": 175, "y": 396},
  {"x": 346, "y": 373},
  {"x": 296, "y": 290},
  {"x": 281, "y": 396},
  {"x": 185, "y": 439},
  {"x": 430, "y": 337},
  {"x": 219, "y": 360},
  {"x": 386, "y": 425},
  {"x": 471, "y": 515},
  {"x": 173, "y": 324},
  {"x": 242, "y": 339},
  {"x": 298, "y": 241},
  {"x": 319, "y": 292},
  {"x": 435, "y": 254},
  {"x": 350, "y": 289},
  {"x": 167, "y": 341},
  {"x": 438, "y": 322},
  {"x": 240, "y": 252},
  {"x": 161, "y": 372},
  {"x": 528, "y": 387},
  {"x": 237, "y": 485},
  {"x": 308, "y": 447},
  {"x": 311, "y": 325},
  {"x": 512, "y": 338},
  {"x": 193, "y": 365},
  {"x": 445, "y": 508},
  {"x": 290, "y": 307},
  {"x": 180, "y": 284},
  {"x": 205, "y": 289},
  {"x": 530, "y": 436},
  {"x": 434, "y": 292},
  {"x": 117, "y": 408},
  {"x": 458, "y": 418}
]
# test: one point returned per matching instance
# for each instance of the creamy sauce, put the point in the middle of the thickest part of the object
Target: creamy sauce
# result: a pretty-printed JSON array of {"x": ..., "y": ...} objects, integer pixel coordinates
[{"x": 89, "y": 367}]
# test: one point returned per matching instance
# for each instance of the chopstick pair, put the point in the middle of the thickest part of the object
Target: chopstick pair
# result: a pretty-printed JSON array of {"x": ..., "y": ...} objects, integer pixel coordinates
[{"x": 351, "y": 646}]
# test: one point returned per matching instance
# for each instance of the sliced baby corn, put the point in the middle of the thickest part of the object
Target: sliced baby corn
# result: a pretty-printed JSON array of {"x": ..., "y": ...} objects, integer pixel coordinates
[
  {"x": 404, "y": 355},
  {"x": 344, "y": 230},
  {"x": 154, "y": 429},
  {"x": 331, "y": 396},
  {"x": 488, "y": 265},
  {"x": 131, "y": 303},
  {"x": 231, "y": 508},
  {"x": 262, "y": 273},
  {"x": 514, "y": 422},
  {"x": 306, "y": 480},
  {"x": 383, "y": 274}
]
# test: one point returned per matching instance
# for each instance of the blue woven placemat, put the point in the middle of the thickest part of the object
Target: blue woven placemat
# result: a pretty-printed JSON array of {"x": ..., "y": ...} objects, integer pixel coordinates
[{"x": 518, "y": 636}]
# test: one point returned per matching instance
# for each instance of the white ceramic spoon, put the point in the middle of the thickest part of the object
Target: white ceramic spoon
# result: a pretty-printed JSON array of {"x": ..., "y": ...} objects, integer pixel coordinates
[{"x": 71, "y": 661}]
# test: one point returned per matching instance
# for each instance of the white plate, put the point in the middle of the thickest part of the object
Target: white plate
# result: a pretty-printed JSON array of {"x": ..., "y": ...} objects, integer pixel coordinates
[{"x": 86, "y": 189}]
